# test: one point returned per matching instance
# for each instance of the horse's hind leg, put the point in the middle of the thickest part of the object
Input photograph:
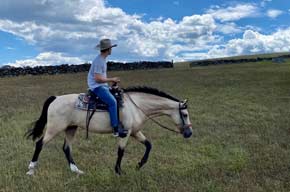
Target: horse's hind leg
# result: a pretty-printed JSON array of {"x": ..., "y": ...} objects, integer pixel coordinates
[
  {"x": 33, "y": 162},
  {"x": 49, "y": 134},
  {"x": 67, "y": 148},
  {"x": 142, "y": 139}
]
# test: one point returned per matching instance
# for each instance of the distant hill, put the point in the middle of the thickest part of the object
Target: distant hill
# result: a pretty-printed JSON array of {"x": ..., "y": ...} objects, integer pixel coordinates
[
  {"x": 6, "y": 67},
  {"x": 234, "y": 59}
]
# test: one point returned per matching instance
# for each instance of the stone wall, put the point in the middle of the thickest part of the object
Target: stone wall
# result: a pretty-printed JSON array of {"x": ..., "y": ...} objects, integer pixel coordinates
[{"x": 8, "y": 71}]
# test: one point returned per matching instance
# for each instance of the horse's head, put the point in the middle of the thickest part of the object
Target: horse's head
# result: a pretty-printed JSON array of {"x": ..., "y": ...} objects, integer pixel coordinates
[
  {"x": 181, "y": 118},
  {"x": 153, "y": 102}
]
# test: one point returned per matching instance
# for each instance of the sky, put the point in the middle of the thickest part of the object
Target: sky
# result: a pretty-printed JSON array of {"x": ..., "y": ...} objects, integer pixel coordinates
[{"x": 53, "y": 32}]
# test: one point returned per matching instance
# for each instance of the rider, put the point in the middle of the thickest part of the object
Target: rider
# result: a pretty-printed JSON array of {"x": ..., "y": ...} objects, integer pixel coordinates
[{"x": 98, "y": 83}]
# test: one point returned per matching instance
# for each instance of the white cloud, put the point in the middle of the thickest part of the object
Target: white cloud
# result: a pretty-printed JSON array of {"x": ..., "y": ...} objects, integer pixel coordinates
[
  {"x": 233, "y": 13},
  {"x": 264, "y": 2},
  {"x": 232, "y": 28},
  {"x": 47, "y": 58},
  {"x": 74, "y": 27},
  {"x": 254, "y": 42},
  {"x": 10, "y": 48},
  {"x": 194, "y": 56},
  {"x": 229, "y": 28},
  {"x": 273, "y": 13}
]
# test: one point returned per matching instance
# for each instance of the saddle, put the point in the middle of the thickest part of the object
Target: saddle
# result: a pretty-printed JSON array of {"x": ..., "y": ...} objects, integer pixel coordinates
[{"x": 90, "y": 102}]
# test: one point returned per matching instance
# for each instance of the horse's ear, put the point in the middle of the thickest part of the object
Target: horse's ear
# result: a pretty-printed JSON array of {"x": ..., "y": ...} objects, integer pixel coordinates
[{"x": 184, "y": 104}]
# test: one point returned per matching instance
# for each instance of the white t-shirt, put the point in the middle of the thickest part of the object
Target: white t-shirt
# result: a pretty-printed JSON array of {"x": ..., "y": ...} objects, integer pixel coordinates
[{"x": 98, "y": 66}]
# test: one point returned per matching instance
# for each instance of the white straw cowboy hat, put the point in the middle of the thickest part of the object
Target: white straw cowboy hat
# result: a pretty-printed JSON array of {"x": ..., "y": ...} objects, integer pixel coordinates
[{"x": 105, "y": 44}]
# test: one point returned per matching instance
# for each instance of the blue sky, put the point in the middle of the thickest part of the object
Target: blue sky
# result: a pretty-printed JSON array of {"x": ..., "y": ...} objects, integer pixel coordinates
[{"x": 52, "y": 32}]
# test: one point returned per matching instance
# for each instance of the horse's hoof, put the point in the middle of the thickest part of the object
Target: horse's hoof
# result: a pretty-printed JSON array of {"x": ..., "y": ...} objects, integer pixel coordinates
[
  {"x": 75, "y": 169},
  {"x": 140, "y": 165},
  {"x": 118, "y": 171},
  {"x": 79, "y": 172},
  {"x": 30, "y": 172}
]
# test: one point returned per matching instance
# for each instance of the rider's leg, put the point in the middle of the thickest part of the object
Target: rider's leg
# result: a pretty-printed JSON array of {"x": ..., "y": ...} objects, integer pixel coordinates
[{"x": 105, "y": 95}]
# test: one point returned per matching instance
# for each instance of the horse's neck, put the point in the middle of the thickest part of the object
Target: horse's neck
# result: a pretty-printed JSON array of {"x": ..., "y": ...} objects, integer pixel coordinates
[{"x": 152, "y": 104}]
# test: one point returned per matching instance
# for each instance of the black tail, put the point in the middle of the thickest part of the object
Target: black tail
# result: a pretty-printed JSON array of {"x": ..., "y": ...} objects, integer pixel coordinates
[{"x": 39, "y": 125}]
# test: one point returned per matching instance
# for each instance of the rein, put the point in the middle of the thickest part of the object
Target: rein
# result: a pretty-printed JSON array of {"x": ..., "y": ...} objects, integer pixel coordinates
[{"x": 155, "y": 121}]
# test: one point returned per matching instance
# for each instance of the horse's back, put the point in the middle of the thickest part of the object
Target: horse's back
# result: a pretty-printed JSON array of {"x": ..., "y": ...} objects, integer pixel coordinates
[
  {"x": 64, "y": 109},
  {"x": 63, "y": 112}
]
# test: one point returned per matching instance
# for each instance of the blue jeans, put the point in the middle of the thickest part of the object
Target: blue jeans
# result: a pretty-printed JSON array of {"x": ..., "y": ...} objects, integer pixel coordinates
[{"x": 105, "y": 95}]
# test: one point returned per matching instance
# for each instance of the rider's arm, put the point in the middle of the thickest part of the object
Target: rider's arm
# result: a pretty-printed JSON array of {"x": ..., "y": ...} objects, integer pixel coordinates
[{"x": 101, "y": 79}]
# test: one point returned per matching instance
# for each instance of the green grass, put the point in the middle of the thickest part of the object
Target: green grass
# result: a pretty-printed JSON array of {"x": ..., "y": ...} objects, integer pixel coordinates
[{"x": 241, "y": 142}]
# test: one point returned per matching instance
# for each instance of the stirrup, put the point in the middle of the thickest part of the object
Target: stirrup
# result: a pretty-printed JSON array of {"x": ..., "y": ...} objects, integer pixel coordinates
[
  {"x": 119, "y": 131},
  {"x": 122, "y": 132}
]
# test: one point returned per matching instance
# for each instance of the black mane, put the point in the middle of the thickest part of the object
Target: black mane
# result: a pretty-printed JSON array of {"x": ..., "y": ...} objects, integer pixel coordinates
[{"x": 150, "y": 90}]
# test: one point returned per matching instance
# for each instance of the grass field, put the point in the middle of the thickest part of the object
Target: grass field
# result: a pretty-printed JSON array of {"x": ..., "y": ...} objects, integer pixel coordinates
[{"x": 241, "y": 142}]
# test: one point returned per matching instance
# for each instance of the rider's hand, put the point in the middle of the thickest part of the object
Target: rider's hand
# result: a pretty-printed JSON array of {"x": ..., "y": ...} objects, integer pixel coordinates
[{"x": 115, "y": 79}]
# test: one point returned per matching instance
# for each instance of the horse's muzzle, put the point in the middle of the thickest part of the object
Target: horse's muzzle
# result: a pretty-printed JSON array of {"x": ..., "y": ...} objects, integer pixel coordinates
[{"x": 187, "y": 132}]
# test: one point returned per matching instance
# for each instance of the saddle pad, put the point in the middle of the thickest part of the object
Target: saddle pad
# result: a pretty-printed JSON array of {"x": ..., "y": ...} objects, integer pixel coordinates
[{"x": 84, "y": 103}]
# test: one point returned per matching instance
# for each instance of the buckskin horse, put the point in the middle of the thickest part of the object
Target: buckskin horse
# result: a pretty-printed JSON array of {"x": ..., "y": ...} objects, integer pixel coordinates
[{"x": 139, "y": 105}]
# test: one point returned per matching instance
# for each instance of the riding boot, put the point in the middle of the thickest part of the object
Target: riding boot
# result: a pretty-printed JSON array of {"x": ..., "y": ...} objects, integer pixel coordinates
[
  {"x": 115, "y": 131},
  {"x": 122, "y": 131}
]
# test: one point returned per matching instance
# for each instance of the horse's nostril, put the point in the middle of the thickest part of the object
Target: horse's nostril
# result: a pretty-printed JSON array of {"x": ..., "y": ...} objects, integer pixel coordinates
[{"x": 187, "y": 133}]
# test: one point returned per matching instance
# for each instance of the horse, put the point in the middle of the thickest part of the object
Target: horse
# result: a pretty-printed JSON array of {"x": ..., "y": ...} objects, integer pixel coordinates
[{"x": 139, "y": 105}]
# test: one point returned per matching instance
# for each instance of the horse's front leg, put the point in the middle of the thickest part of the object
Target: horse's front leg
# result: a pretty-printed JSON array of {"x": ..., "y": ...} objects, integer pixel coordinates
[
  {"x": 142, "y": 139},
  {"x": 121, "y": 148}
]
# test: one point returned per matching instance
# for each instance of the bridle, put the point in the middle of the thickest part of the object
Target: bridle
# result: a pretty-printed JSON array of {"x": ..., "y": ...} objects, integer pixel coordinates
[{"x": 182, "y": 106}]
